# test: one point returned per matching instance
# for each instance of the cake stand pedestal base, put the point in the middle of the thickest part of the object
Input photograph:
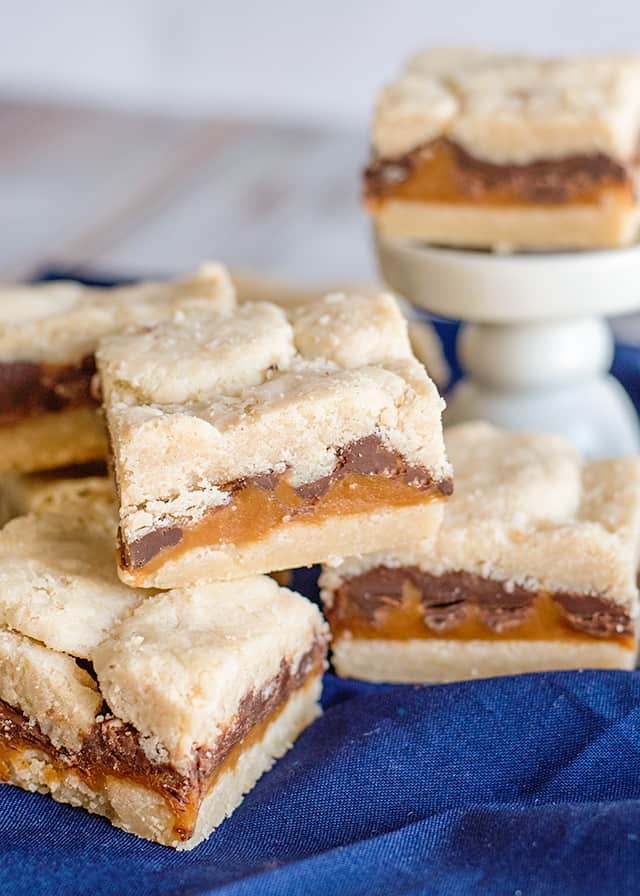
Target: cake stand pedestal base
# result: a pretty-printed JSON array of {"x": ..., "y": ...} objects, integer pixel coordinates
[{"x": 534, "y": 345}]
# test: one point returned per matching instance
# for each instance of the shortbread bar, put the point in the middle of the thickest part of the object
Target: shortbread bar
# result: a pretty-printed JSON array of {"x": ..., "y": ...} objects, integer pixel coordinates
[
  {"x": 48, "y": 336},
  {"x": 486, "y": 150},
  {"x": 259, "y": 439},
  {"x": 158, "y": 712},
  {"x": 534, "y": 568}
]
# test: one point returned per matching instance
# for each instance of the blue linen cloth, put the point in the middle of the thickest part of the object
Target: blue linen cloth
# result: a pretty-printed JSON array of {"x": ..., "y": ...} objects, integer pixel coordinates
[
  {"x": 526, "y": 785},
  {"x": 521, "y": 786}
]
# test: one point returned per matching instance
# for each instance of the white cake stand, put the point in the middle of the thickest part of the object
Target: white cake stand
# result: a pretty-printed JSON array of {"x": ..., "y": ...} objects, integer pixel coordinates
[{"x": 535, "y": 347}]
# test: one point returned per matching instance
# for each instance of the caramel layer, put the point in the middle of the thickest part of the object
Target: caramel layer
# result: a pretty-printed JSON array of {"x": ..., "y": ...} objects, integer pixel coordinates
[
  {"x": 367, "y": 477},
  {"x": 28, "y": 388},
  {"x": 395, "y": 604},
  {"x": 442, "y": 171},
  {"x": 254, "y": 512},
  {"x": 112, "y": 748}
]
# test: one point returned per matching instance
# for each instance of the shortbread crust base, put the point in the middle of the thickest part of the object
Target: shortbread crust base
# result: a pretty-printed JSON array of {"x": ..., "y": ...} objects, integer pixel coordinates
[
  {"x": 144, "y": 812},
  {"x": 302, "y": 544},
  {"x": 440, "y": 661},
  {"x": 47, "y": 441},
  {"x": 608, "y": 225}
]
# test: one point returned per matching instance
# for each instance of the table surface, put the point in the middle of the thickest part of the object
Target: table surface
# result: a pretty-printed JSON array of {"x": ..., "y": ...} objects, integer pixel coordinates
[
  {"x": 131, "y": 193},
  {"x": 145, "y": 193}
]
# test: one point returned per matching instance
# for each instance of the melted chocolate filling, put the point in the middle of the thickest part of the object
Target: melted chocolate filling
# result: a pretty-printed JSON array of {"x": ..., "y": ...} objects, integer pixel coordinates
[
  {"x": 76, "y": 471},
  {"x": 28, "y": 388},
  {"x": 136, "y": 554},
  {"x": 543, "y": 181},
  {"x": 367, "y": 456},
  {"x": 446, "y": 599}
]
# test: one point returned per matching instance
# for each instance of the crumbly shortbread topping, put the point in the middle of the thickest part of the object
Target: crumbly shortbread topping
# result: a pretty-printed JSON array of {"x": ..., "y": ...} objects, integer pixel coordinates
[
  {"x": 58, "y": 583},
  {"x": 351, "y": 330},
  {"x": 62, "y": 321},
  {"x": 528, "y": 510},
  {"x": 257, "y": 390},
  {"x": 512, "y": 109},
  {"x": 513, "y": 479},
  {"x": 179, "y": 666},
  {"x": 49, "y": 688}
]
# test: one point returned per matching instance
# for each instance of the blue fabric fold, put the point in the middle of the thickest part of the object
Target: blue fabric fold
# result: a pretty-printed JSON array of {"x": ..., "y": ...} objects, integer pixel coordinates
[
  {"x": 526, "y": 784},
  {"x": 520, "y": 786}
]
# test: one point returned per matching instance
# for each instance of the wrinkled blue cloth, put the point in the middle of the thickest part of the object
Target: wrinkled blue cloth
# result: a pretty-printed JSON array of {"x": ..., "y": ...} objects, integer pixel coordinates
[
  {"x": 519, "y": 786},
  {"x": 525, "y": 785}
]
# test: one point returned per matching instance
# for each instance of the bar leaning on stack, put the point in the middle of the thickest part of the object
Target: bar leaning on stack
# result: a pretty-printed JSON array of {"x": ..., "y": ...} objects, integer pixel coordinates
[
  {"x": 534, "y": 569},
  {"x": 159, "y": 712},
  {"x": 256, "y": 439},
  {"x": 48, "y": 336},
  {"x": 245, "y": 438},
  {"x": 487, "y": 150}
]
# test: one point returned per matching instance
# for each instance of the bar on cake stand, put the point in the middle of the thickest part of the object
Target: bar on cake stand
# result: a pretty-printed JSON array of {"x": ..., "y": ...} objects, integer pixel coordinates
[
  {"x": 536, "y": 162},
  {"x": 489, "y": 150}
]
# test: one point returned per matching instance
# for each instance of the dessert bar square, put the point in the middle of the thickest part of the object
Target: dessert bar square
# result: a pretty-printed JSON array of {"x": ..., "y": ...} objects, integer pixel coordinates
[
  {"x": 159, "y": 712},
  {"x": 534, "y": 568},
  {"x": 258, "y": 439},
  {"x": 488, "y": 150},
  {"x": 48, "y": 336}
]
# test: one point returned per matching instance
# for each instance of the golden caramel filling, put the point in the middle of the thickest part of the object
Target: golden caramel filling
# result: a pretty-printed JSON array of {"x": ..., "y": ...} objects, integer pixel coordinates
[
  {"x": 254, "y": 512},
  {"x": 186, "y": 815},
  {"x": 441, "y": 173},
  {"x": 544, "y": 621}
]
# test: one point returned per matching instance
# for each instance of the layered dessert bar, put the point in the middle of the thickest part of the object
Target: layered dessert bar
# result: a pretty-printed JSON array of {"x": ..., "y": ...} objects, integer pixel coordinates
[
  {"x": 48, "y": 336},
  {"x": 534, "y": 568},
  {"x": 487, "y": 150},
  {"x": 159, "y": 712},
  {"x": 258, "y": 439}
]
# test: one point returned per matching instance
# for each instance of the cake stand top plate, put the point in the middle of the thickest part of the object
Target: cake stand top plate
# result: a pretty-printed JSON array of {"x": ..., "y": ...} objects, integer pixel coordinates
[{"x": 493, "y": 288}]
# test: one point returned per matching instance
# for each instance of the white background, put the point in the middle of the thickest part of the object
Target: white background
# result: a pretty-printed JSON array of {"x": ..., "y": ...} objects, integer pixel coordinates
[{"x": 293, "y": 59}]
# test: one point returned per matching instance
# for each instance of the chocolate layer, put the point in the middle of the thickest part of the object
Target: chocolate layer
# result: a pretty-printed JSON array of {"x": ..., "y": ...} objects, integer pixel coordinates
[
  {"x": 113, "y": 748},
  {"x": 28, "y": 388},
  {"x": 447, "y": 599},
  {"x": 371, "y": 457},
  {"x": 595, "y": 615},
  {"x": 75, "y": 471},
  {"x": 543, "y": 181},
  {"x": 136, "y": 554},
  {"x": 368, "y": 456}
]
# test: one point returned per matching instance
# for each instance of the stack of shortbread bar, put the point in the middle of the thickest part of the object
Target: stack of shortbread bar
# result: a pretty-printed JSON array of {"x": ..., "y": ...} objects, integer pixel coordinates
[
  {"x": 149, "y": 670},
  {"x": 151, "y": 666}
]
